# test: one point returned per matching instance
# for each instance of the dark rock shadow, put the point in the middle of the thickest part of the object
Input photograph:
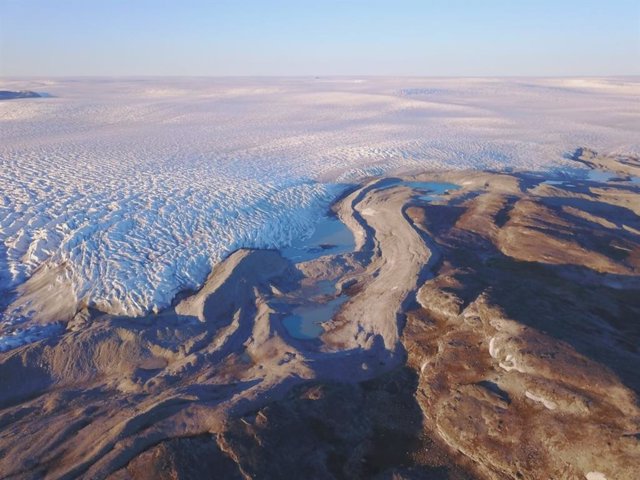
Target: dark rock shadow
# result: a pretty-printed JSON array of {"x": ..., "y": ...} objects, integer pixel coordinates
[
  {"x": 341, "y": 431},
  {"x": 189, "y": 458}
]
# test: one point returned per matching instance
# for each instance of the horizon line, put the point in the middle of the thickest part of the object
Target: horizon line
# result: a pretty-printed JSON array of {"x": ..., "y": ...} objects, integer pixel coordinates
[{"x": 318, "y": 76}]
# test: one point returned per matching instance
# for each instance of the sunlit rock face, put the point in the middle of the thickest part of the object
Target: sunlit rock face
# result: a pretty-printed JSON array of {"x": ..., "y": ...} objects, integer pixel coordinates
[{"x": 125, "y": 192}]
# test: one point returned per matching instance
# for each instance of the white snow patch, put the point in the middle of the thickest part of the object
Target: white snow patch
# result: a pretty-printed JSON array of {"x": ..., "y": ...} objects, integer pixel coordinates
[
  {"x": 595, "y": 476},
  {"x": 551, "y": 405},
  {"x": 493, "y": 349},
  {"x": 32, "y": 334},
  {"x": 423, "y": 366},
  {"x": 510, "y": 364}
]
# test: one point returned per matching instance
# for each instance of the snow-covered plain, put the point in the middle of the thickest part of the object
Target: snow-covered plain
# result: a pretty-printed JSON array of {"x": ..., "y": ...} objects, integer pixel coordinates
[{"x": 131, "y": 189}]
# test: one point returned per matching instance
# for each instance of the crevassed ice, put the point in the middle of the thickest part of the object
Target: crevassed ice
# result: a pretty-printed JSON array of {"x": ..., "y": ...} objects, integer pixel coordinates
[
  {"x": 133, "y": 250},
  {"x": 139, "y": 186}
]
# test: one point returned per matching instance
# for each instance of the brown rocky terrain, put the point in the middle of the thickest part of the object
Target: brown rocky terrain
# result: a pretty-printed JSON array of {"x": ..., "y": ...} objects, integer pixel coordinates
[{"x": 488, "y": 333}]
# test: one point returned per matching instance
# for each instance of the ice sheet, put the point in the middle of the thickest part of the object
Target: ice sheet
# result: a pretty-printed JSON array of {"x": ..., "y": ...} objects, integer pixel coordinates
[{"x": 138, "y": 186}]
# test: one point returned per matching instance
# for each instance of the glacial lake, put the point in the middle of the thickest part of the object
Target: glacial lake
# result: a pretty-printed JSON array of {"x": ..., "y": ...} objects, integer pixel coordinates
[{"x": 332, "y": 237}]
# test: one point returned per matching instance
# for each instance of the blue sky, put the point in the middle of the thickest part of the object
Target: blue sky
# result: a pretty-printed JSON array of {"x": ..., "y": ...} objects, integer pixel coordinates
[{"x": 261, "y": 37}]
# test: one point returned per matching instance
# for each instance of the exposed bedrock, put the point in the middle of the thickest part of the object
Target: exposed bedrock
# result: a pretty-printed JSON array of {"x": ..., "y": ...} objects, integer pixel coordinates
[{"x": 487, "y": 333}]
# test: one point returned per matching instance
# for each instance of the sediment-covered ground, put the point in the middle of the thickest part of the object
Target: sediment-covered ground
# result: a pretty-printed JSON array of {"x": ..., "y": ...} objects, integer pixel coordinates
[{"x": 488, "y": 332}]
